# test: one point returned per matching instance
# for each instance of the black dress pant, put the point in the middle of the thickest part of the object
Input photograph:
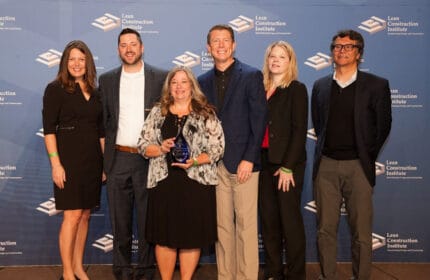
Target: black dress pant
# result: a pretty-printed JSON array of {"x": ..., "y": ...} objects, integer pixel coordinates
[
  {"x": 127, "y": 195},
  {"x": 282, "y": 225}
]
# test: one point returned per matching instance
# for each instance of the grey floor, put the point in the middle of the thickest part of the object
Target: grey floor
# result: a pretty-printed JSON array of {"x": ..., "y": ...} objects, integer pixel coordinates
[{"x": 380, "y": 271}]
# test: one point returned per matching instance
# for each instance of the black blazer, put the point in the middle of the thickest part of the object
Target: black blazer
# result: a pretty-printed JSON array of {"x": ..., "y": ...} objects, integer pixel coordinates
[
  {"x": 109, "y": 83},
  {"x": 288, "y": 123},
  {"x": 243, "y": 114},
  {"x": 372, "y": 118}
]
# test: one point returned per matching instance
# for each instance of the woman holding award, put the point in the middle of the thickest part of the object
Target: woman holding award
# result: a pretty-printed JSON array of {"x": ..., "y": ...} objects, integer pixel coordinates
[{"x": 183, "y": 139}]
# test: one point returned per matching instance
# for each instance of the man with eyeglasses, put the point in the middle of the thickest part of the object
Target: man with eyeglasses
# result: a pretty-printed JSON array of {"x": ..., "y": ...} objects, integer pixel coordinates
[{"x": 351, "y": 114}]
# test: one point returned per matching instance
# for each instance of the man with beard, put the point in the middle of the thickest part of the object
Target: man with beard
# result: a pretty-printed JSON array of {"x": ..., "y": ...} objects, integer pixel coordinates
[{"x": 128, "y": 93}]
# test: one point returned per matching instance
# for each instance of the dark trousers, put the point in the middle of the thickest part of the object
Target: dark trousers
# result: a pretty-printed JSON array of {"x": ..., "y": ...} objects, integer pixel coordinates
[
  {"x": 126, "y": 188},
  {"x": 337, "y": 179},
  {"x": 282, "y": 223}
]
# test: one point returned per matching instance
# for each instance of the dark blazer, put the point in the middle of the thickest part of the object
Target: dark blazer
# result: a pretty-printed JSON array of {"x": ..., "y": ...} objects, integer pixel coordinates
[
  {"x": 372, "y": 118},
  {"x": 109, "y": 83},
  {"x": 288, "y": 123},
  {"x": 243, "y": 114}
]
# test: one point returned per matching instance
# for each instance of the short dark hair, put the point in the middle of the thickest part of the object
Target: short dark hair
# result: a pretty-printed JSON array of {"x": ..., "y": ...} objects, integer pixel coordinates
[
  {"x": 129, "y": 31},
  {"x": 220, "y": 27},
  {"x": 353, "y": 35}
]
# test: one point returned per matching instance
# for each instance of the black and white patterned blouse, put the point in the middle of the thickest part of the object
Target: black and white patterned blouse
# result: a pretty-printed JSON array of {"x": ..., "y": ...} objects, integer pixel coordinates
[{"x": 202, "y": 136}]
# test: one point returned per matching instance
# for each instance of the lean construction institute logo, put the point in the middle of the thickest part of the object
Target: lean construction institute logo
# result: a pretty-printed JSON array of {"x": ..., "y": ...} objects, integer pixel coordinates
[
  {"x": 378, "y": 241},
  {"x": 241, "y": 24},
  {"x": 319, "y": 61},
  {"x": 311, "y": 134},
  {"x": 373, "y": 25},
  {"x": 48, "y": 207},
  {"x": 40, "y": 133},
  {"x": 379, "y": 168},
  {"x": 50, "y": 58},
  {"x": 107, "y": 22},
  {"x": 312, "y": 207},
  {"x": 187, "y": 59},
  {"x": 105, "y": 243}
]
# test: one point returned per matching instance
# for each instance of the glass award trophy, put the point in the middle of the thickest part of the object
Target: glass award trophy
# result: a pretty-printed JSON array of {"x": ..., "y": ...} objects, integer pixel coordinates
[{"x": 180, "y": 152}]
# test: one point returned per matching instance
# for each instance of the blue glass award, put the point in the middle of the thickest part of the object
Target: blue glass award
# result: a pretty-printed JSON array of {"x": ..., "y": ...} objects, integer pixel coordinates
[{"x": 180, "y": 152}]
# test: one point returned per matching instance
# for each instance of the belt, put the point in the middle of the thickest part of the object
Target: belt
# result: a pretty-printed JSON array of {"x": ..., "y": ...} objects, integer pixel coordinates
[{"x": 126, "y": 149}]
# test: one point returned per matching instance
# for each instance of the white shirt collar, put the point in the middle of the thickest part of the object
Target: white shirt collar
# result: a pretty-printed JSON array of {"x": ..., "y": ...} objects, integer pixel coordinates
[
  {"x": 347, "y": 83},
  {"x": 134, "y": 74}
]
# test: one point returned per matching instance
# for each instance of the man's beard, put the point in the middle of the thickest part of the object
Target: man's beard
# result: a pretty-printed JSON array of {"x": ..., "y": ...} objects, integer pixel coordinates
[{"x": 134, "y": 62}]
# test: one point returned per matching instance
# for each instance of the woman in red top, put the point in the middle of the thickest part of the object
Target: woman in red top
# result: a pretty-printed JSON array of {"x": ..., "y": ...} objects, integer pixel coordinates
[{"x": 283, "y": 160}]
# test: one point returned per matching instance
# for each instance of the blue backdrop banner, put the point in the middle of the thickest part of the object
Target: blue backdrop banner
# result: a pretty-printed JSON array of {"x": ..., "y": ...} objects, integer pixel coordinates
[{"x": 33, "y": 34}]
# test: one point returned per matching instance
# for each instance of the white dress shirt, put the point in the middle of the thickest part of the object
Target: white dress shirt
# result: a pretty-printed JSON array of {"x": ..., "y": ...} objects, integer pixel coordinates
[{"x": 131, "y": 107}]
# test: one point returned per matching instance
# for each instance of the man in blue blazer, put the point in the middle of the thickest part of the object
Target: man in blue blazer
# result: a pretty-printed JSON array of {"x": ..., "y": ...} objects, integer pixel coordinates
[
  {"x": 351, "y": 113},
  {"x": 237, "y": 90},
  {"x": 128, "y": 93}
]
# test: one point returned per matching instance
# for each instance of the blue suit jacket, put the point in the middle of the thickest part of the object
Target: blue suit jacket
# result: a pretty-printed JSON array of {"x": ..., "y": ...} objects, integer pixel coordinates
[
  {"x": 109, "y": 83},
  {"x": 243, "y": 114},
  {"x": 372, "y": 118}
]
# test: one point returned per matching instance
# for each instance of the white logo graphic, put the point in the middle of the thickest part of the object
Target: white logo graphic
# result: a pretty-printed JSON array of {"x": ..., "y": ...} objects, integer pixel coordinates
[
  {"x": 378, "y": 241},
  {"x": 107, "y": 22},
  {"x": 312, "y": 207},
  {"x": 48, "y": 207},
  {"x": 319, "y": 61},
  {"x": 311, "y": 134},
  {"x": 40, "y": 133},
  {"x": 51, "y": 57},
  {"x": 379, "y": 168},
  {"x": 241, "y": 24},
  {"x": 105, "y": 243},
  {"x": 373, "y": 25},
  {"x": 187, "y": 59}
]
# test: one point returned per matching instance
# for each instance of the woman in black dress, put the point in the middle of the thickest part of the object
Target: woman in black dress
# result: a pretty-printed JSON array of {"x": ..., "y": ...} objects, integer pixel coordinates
[
  {"x": 74, "y": 139},
  {"x": 181, "y": 206}
]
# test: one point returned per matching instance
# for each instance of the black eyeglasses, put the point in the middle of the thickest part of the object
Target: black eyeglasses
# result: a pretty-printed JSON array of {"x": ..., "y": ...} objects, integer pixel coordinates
[{"x": 346, "y": 47}]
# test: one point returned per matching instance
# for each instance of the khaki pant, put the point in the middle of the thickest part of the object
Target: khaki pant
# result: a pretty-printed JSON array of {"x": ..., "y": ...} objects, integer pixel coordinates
[
  {"x": 237, "y": 246},
  {"x": 337, "y": 179}
]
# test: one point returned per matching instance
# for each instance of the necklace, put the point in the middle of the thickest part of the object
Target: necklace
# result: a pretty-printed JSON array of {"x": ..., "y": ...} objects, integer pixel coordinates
[{"x": 180, "y": 121}]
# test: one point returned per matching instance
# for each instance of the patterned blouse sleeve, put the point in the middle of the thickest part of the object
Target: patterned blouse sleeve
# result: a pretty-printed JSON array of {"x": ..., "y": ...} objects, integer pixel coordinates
[
  {"x": 149, "y": 131},
  {"x": 216, "y": 142},
  {"x": 51, "y": 108}
]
